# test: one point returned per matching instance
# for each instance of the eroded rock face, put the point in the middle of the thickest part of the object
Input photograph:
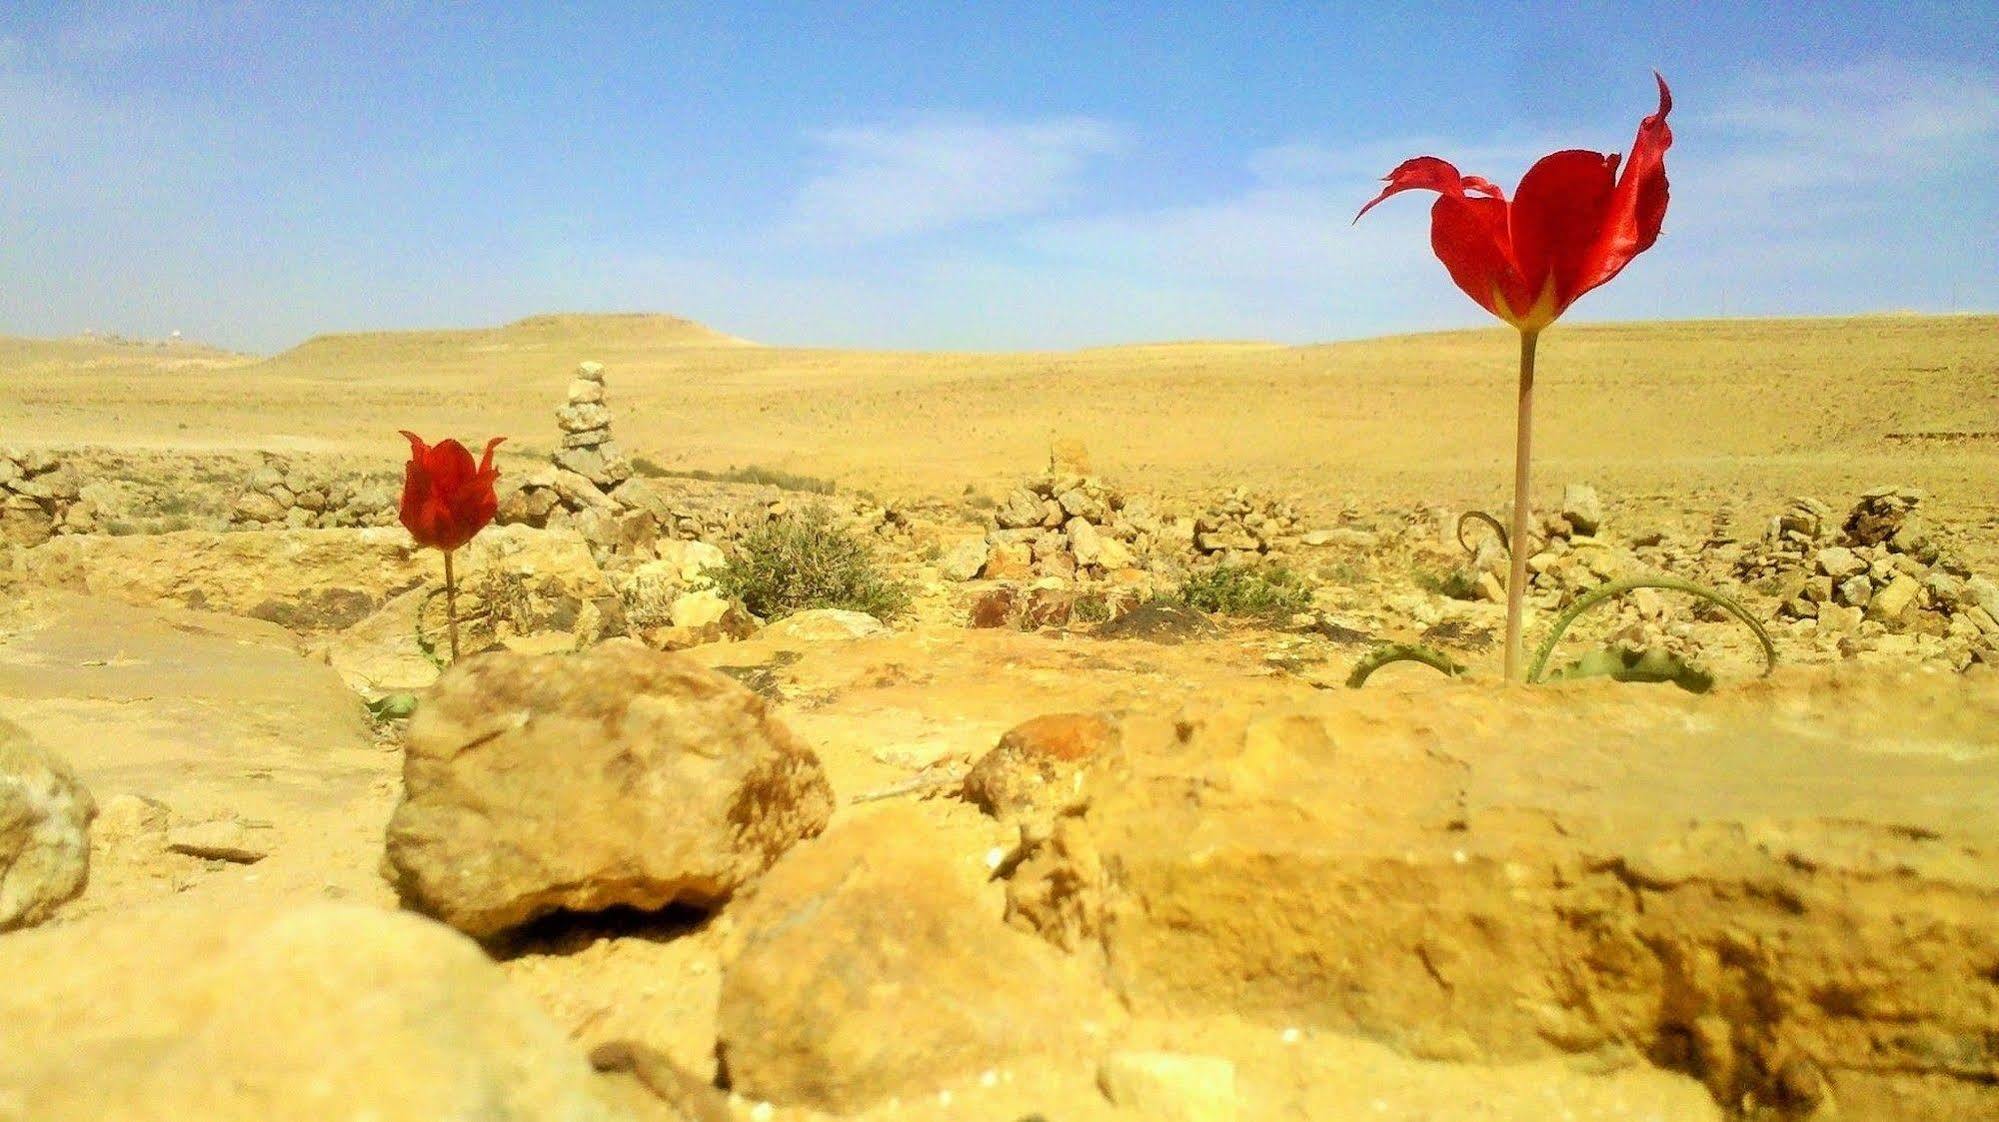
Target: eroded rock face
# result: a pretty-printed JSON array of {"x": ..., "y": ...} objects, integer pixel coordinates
[
  {"x": 620, "y": 775},
  {"x": 326, "y": 1011},
  {"x": 45, "y": 814},
  {"x": 322, "y": 580},
  {"x": 867, "y": 965},
  {"x": 1506, "y": 882}
]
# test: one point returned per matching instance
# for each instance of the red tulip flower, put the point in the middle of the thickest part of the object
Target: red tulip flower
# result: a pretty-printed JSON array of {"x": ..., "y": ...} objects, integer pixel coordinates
[
  {"x": 1573, "y": 224},
  {"x": 446, "y": 502}
]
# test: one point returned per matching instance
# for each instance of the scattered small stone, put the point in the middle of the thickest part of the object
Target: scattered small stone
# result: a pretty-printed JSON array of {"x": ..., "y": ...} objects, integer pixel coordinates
[
  {"x": 1839, "y": 562},
  {"x": 1040, "y": 766},
  {"x": 962, "y": 562},
  {"x": 222, "y": 839},
  {"x": 1582, "y": 507},
  {"x": 1893, "y": 602},
  {"x": 125, "y": 818}
]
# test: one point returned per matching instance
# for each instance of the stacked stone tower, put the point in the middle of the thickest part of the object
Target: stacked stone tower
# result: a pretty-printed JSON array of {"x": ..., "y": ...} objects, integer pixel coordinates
[{"x": 587, "y": 448}]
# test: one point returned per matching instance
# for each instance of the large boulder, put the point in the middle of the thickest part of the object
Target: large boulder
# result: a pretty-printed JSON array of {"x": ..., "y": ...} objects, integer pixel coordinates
[
  {"x": 45, "y": 815},
  {"x": 1713, "y": 882},
  {"x": 867, "y": 965},
  {"x": 617, "y": 776},
  {"x": 325, "y": 1011},
  {"x": 317, "y": 580}
]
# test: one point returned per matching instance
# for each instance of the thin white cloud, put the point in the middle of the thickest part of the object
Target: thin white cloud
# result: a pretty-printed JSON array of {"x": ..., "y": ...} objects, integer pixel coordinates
[
  {"x": 1806, "y": 191},
  {"x": 939, "y": 172},
  {"x": 1824, "y": 132}
]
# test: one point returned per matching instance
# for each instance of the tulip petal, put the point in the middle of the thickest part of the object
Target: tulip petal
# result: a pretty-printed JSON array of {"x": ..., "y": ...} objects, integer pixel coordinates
[
  {"x": 1558, "y": 214},
  {"x": 486, "y": 461},
  {"x": 1423, "y": 173},
  {"x": 1638, "y": 208},
  {"x": 450, "y": 466},
  {"x": 1469, "y": 235}
]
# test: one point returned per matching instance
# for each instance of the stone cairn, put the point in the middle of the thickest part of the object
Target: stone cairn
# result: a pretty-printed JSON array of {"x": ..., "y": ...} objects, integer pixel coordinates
[
  {"x": 590, "y": 487},
  {"x": 587, "y": 448},
  {"x": 40, "y": 497}
]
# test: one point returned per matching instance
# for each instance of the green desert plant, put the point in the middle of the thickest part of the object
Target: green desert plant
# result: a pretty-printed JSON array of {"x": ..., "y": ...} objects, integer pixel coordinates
[
  {"x": 808, "y": 560},
  {"x": 1253, "y": 591},
  {"x": 1621, "y": 664}
]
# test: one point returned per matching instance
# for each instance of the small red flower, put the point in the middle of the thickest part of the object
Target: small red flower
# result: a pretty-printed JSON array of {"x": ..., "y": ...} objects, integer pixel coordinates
[
  {"x": 1572, "y": 225},
  {"x": 446, "y": 500}
]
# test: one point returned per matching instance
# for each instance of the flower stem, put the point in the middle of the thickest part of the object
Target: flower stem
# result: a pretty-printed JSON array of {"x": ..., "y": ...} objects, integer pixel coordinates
[
  {"x": 451, "y": 604},
  {"x": 1523, "y": 446}
]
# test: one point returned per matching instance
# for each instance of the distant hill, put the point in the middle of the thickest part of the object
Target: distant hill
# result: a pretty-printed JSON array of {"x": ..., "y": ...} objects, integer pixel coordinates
[
  {"x": 545, "y": 338},
  {"x": 20, "y": 354}
]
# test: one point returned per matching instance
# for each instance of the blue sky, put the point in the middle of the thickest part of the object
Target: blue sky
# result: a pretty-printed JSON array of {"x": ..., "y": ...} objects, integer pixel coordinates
[{"x": 964, "y": 176}]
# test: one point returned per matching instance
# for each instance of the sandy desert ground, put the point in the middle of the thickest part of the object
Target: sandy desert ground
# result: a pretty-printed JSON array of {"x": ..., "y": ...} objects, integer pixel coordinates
[{"x": 1224, "y": 887}]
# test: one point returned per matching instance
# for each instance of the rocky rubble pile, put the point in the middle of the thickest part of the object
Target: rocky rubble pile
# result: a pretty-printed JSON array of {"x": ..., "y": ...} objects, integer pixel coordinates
[
  {"x": 283, "y": 494},
  {"x": 1066, "y": 525},
  {"x": 40, "y": 496},
  {"x": 1241, "y": 528},
  {"x": 1880, "y": 566},
  {"x": 1568, "y": 555}
]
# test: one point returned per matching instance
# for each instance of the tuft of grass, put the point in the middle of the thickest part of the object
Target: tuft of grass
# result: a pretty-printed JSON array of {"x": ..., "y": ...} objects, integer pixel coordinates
[
  {"x": 808, "y": 560},
  {"x": 1092, "y": 607},
  {"x": 1458, "y": 584},
  {"x": 1255, "y": 591},
  {"x": 755, "y": 474}
]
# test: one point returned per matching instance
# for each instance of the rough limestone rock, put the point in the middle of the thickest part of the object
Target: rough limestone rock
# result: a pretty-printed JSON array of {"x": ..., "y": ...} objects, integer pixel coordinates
[
  {"x": 1582, "y": 507},
  {"x": 824, "y": 625},
  {"x": 322, "y": 1012},
  {"x": 45, "y": 815},
  {"x": 962, "y": 562},
  {"x": 866, "y": 965},
  {"x": 1429, "y": 885},
  {"x": 620, "y": 775},
  {"x": 690, "y": 561},
  {"x": 1042, "y": 765}
]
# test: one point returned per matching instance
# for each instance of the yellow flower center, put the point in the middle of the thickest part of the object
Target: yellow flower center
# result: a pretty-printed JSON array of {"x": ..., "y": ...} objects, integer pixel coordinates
[{"x": 1533, "y": 319}]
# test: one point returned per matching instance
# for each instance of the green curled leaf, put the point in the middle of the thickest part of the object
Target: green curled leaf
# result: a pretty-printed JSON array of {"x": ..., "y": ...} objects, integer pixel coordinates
[
  {"x": 1402, "y": 652},
  {"x": 392, "y": 707},
  {"x": 1616, "y": 588},
  {"x": 1489, "y": 520}
]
